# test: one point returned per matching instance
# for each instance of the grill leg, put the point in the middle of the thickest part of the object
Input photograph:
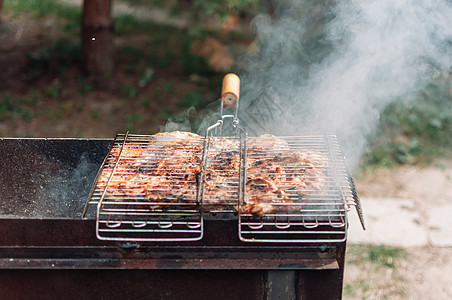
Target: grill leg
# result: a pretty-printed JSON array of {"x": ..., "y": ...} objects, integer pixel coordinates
[
  {"x": 323, "y": 284},
  {"x": 281, "y": 284},
  {"x": 304, "y": 284},
  {"x": 307, "y": 284}
]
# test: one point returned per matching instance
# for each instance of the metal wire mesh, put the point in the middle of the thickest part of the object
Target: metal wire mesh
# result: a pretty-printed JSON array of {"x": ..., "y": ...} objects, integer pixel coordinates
[
  {"x": 148, "y": 189},
  {"x": 310, "y": 198},
  {"x": 281, "y": 189}
]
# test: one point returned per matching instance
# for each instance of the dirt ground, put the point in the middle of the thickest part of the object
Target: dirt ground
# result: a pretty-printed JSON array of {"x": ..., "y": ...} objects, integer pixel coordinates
[{"x": 421, "y": 273}]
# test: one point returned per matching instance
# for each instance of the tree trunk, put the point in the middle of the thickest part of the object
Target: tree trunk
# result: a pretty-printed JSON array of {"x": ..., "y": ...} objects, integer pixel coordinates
[
  {"x": 97, "y": 37},
  {"x": 1, "y": 8}
]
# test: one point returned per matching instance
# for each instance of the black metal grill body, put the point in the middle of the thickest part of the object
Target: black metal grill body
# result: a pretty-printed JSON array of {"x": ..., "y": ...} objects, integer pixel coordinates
[{"x": 46, "y": 249}]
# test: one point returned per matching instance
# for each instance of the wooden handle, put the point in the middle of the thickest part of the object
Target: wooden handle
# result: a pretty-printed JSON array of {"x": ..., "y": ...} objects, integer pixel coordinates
[{"x": 231, "y": 89}]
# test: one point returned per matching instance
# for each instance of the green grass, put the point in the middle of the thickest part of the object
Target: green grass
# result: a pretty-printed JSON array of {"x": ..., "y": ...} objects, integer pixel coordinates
[
  {"x": 128, "y": 24},
  {"x": 131, "y": 120},
  {"x": 377, "y": 266},
  {"x": 379, "y": 255},
  {"x": 165, "y": 113},
  {"x": 11, "y": 108},
  {"x": 205, "y": 8},
  {"x": 357, "y": 288},
  {"x": 194, "y": 99},
  {"x": 43, "y": 8},
  {"x": 129, "y": 91},
  {"x": 85, "y": 86},
  {"x": 146, "y": 101},
  {"x": 146, "y": 77},
  {"x": 415, "y": 131},
  {"x": 67, "y": 52},
  {"x": 53, "y": 91},
  {"x": 55, "y": 113},
  {"x": 55, "y": 58}
]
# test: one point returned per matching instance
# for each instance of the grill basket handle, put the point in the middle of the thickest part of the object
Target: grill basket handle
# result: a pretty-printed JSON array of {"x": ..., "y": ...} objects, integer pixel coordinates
[{"x": 230, "y": 92}]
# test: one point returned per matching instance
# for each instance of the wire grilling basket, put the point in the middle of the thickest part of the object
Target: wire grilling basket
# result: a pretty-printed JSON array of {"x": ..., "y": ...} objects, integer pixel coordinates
[{"x": 280, "y": 189}]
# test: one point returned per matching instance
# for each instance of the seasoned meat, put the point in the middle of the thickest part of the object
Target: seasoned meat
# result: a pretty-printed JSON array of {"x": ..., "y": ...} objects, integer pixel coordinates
[
  {"x": 164, "y": 170},
  {"x": 275, "y": 173},
  {"x": 167, "y": 168},
  {"x": 222, "y": 170}
]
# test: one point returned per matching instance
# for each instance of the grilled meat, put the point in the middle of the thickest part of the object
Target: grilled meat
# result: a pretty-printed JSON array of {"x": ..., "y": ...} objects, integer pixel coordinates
[
  {"x": 222, "y": 170},
  {"x": 164, "y": 170},
  {"x": 277, "y": 176},
  {"x": 167, "y": 169}
]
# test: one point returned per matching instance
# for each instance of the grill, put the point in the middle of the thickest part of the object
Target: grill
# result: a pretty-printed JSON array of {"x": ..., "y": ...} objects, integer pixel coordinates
[
  {"x": 194, "y": 245},
  {"x": 124, "y": 212},
  {"x": 316, "y": 215},
  {"x": 279, "y": 189}
]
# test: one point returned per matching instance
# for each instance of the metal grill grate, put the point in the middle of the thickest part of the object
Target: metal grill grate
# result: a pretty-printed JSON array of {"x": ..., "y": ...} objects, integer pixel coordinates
[
  {"x": 134, "y": 204},
  {"x": 221, "y": 178},
  {"x": 317, "y": 192},
  {"x": 160, "y": 188},
  {"x": 281, "y": 189}
]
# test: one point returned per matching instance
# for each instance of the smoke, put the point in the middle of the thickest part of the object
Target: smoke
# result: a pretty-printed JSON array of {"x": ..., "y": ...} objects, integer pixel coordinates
[
  {"x": 62, "y": 193},
  {"x": 330, "y": 67},
  {"x": 383, "y": 50},
  {"x": 338, "y": 80}
]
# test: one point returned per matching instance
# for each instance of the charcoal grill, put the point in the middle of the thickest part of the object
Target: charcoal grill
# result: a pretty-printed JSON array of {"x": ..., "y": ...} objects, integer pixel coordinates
[
  {"x": 48, "y": 251},
  {"x": 124, "y": 213},
  {"x": 163, "y": 187}
]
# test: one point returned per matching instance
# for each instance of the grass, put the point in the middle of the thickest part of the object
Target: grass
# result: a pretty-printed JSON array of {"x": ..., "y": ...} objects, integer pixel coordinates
[
  {"x": 416, "y": 131},
  {"x": 165, "y": 113},
  {"x": 54, "y": 58},
  {"x": 127, "y": 24},
  {"x": 162, "y": 46},
  {"x": 376, "y": 266},
  {"x": 53, "y": 91},
  {"x": 378, "y": 255},
  {"x": 357, "y": 288},
  {"x": 11, "y": 108},
  {"x": 146, "y": 77},
  {"x": 85, "y": 86},
  {"x": 36, "y": 105},
  {"x": 40, "y": 8},
  {"x": 194, "y": 99},
  {"x": 129, "y": 91},
  {"x": 132, "y": 119}
]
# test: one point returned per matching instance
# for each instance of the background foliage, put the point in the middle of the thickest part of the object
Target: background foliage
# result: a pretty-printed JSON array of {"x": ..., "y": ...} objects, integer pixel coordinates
[{"x": 409, "y": 132}]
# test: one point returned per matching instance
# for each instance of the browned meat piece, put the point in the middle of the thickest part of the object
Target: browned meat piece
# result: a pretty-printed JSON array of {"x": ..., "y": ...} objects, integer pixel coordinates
[
  {"x": 266, "y": 169},
  {"x": 266, "y": 142},
  {"x": 274, "y": 171},
  {"x": 223, "y": 144},
  {"x": 167, "y": 169},
  {"x": 258, "y": 209},
  {"x": 263, "y": 196}
]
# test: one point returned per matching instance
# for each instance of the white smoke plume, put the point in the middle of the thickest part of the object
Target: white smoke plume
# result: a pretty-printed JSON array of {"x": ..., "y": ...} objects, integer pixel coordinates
[
  {"x": 332, "y": 66},
  {"x": 337, "y": 81}
]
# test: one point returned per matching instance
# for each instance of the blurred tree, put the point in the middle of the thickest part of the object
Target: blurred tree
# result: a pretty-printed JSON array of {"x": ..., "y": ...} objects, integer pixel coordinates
[
  {"x": 1, "y": 6},
  {"x": 97, "y": 38}
]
